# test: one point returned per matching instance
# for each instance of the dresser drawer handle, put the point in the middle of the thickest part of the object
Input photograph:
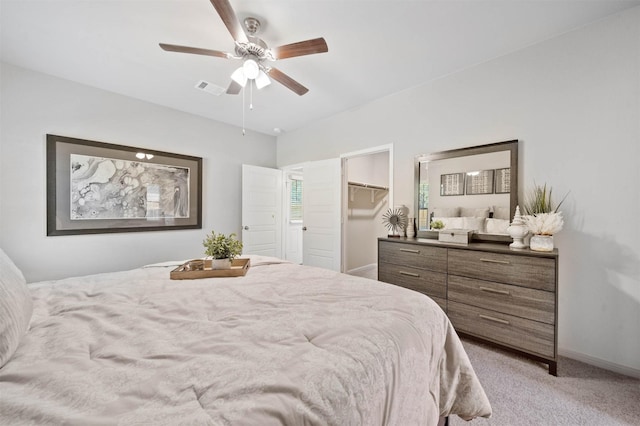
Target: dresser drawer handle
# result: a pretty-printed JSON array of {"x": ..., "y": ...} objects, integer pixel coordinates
[
  {"x": 503, "y": 262},
  {"x": 493, "y": 290},
  {"x": 409, "y": 274},
  {"x": 410, "y": 251},
  {"x": 501, "y": 321}
]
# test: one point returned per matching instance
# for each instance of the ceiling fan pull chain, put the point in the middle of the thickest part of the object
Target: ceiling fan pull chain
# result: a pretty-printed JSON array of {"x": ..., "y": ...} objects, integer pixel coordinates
[
  {"x": 251, "y": 95},
  {"x": 243, "y": 132}
]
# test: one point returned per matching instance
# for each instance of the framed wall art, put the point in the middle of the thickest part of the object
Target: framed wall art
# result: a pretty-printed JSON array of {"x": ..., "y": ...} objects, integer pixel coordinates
[
  {"x": 479, "y": 182},
  {"x": 452, "y": 184},
  {"x": 96, "y": 187},
  {"x": 503, "y": 181}
]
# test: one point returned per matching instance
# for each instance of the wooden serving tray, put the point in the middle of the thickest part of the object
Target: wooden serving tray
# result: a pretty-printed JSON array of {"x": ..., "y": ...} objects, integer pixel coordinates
[{"x": 194, "y": 269}]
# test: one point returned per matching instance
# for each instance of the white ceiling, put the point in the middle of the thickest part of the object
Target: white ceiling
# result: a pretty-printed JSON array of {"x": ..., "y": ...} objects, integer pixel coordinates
[{"x": 376, "y": 47}]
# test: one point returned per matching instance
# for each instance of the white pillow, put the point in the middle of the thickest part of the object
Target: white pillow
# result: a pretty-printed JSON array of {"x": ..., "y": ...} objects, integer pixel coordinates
[
  {"x": 501, "y": 213},
  {"x": 16, "y": 307},
  {"x": 473, "y": 212},
  {"x": 474, "y": 223},
  {"x": 450, "y": 222},
  {"x": 446, "y": 212},
  {"x": 496, "y": 226}
]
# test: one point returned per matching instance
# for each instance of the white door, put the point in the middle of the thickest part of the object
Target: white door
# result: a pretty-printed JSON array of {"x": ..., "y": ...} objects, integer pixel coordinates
[
  {"x": 321, "y": 211},
  {"x": 261, "y": 211}
]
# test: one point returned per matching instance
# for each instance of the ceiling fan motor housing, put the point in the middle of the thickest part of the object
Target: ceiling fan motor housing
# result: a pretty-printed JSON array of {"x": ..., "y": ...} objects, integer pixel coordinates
[
  {"x": 255, "y": 47},
  {"x": 252, "y": 25}
]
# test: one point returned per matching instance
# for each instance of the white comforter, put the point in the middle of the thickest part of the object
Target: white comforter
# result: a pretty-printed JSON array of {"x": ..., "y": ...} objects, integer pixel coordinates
[{"x": 286, "y": 344}]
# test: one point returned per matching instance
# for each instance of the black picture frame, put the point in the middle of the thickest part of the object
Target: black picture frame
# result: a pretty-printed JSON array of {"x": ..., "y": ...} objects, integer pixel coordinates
[
  {"x": 503, "y": 180},
  {"x": 479, "y": 182},
  {"x": 452, "y": 184},
  {"x": 97, "y": 187}
]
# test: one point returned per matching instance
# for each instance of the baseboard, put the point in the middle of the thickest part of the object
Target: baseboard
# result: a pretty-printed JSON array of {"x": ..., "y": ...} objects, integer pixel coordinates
[
  {"x": 361, "y": 269},
  {"x": 600, "y": 363}
]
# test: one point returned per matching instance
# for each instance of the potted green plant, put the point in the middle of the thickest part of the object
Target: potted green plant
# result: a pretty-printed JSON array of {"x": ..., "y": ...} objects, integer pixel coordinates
[
  {"x": 437, "y": 224},
  {"x": 542, "y": 218},
  {"x": 222, "y": 249}
]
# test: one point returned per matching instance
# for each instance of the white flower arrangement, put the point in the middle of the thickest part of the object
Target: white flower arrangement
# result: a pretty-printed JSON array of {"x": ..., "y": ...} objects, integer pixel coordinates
[
  {"x": 544, "y": 223},
  {"x": 541, "y": 217}
]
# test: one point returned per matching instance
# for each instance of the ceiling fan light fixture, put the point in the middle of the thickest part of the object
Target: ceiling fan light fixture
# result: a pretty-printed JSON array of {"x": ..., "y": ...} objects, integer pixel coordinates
[
  {"x": 262, "y": 80},
  {"x": 251, "y": 69},
  {"x": 239, "y": 77},
  {"x": 253, "y": 51}
]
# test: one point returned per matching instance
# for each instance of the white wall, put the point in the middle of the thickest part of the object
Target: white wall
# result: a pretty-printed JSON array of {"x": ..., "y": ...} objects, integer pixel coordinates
[
  {"x": 574, "y": 103},
  {"x": 34, "y": 104},
  {"x": 372, "y": 169}
]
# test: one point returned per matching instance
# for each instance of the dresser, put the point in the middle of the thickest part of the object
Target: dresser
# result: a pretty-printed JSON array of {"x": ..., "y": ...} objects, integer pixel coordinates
[{"x": 490, "y": 292}]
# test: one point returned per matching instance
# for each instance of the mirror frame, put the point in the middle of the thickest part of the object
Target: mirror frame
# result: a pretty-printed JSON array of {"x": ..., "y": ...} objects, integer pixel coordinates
[{"x": 511, "y": 146}]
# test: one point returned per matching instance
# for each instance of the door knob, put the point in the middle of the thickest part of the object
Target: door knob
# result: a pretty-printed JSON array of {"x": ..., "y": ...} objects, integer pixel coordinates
[
  {"x": 246, "y": 228},
  {"x": 304, "y": 228}
]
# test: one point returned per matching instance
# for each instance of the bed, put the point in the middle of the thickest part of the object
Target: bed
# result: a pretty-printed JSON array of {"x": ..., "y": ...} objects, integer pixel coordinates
[
  {"x": 488, "y": 220},
  {"x": 284, "y": 344}
]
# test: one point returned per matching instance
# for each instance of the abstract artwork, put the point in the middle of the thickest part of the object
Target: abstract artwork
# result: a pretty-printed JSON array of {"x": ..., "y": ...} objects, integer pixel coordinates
[{"x": 106, "y": 188}]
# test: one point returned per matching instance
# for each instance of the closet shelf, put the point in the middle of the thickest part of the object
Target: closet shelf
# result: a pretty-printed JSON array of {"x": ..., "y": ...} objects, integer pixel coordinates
[{"x": 355, "y": 186}]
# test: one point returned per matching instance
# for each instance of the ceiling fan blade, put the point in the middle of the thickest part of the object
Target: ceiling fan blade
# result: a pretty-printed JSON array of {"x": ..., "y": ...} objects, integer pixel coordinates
[
  {"x": 194, "y": 50},
  {"x": 234, "y": 88},
  {"x": 228, "y": 16},
  {"x": 287, "y": 81},
  {"x": 301, "y": 48}
]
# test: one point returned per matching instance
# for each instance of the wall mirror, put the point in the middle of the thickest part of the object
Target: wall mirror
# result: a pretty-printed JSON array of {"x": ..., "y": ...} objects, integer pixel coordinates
[{"x": 468, "y": 188}]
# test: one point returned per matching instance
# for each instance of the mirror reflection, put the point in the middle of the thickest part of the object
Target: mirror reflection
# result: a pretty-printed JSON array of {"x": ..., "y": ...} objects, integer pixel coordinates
[{"x": 470, "y": 188}]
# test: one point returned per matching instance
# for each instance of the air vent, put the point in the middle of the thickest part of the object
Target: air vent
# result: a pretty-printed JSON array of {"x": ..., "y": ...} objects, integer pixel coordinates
[{"x": 210, "y": 88}]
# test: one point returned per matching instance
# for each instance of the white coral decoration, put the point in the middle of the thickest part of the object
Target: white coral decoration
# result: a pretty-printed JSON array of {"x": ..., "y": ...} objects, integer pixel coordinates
[{"x": 544, "y": 223}]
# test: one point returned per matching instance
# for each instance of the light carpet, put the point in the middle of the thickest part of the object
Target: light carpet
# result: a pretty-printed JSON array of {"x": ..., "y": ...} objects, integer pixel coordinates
[{"x": 522, "y": 392}]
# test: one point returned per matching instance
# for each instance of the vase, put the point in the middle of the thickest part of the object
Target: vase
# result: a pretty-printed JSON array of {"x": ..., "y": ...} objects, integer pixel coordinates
[
  {"x": 221, "y": 263},
  {"x": 518, "y": 230},
  {"x": 411, "y": 230},
  {"x": 541, "y": 242}
]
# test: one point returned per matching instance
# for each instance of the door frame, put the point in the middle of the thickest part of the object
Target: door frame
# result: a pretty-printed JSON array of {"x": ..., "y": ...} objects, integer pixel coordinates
[{"x": 344, "y": 188}]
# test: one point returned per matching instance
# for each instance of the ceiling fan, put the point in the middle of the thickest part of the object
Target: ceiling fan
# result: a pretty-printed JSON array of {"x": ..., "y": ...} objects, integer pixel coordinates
[{"x": 254, "y": 52}]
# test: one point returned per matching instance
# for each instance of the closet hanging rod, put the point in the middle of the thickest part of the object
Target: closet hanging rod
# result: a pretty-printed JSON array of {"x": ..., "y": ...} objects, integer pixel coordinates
[{"x": 368, "y": 186}]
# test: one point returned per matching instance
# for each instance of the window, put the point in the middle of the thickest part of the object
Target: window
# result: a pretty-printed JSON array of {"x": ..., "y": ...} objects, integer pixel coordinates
[
  {"x": 423, "y": 200},
  {"x": 295, "y": 200}
]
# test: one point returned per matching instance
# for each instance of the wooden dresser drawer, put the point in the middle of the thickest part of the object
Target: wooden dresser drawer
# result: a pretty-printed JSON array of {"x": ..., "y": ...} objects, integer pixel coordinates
[
  {"x": 489, "y": 291},
  {"x": 537, "y": 305},
  {"x": 413, "y": 255},
  {"x": 526, "y": 271},
  {"x": 428, "y": 282},
  {"x": 531, "y": 336}
]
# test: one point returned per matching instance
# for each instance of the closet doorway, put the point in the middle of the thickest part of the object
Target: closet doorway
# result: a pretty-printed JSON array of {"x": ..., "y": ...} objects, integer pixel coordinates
[{"x": 367, "y": 194}]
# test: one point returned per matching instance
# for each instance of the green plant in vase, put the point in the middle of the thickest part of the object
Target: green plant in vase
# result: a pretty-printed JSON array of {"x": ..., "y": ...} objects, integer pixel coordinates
[
  {"x": 437, "y": 224},
  {"x": 222, "y": 249},
  {"x": 542, "y": 217}
]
